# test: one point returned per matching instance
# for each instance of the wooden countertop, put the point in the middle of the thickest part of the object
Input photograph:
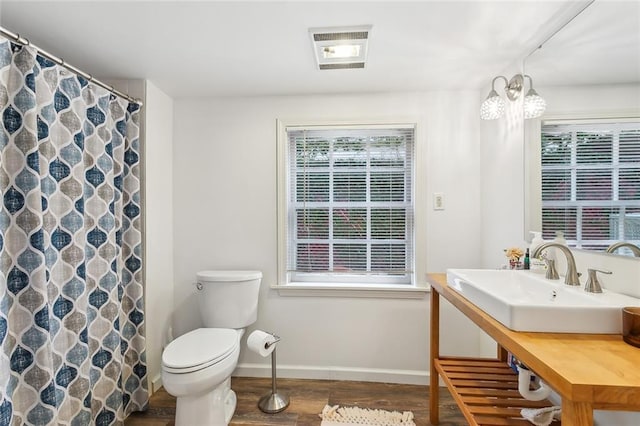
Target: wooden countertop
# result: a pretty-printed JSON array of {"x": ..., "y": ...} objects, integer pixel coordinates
[{"x": 600, "y": 369}]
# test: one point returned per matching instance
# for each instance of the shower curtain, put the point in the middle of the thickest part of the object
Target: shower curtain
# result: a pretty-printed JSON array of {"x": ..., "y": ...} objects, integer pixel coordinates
[{"x": 71, "y": 305}]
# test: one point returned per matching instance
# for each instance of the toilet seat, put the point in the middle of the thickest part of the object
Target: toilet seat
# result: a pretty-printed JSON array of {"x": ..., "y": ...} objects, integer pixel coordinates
[{"x": 199, "y": 349}]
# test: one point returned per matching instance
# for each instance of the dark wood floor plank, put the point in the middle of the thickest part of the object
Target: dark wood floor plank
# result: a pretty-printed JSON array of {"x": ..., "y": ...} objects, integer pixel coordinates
[{"x": 308, "y": 398}]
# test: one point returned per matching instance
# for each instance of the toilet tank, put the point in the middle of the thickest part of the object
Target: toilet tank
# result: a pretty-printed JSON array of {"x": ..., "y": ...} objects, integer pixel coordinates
[{"x": 228, "y": 299}]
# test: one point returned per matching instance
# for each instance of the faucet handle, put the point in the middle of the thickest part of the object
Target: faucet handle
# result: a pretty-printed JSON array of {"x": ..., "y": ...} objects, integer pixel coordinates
[
  {"x": 552, "y": 273},
  {"x": 593, "y": 285}
]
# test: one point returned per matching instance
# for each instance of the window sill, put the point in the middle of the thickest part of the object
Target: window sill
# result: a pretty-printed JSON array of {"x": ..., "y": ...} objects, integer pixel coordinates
[{"x": 352, "y": 290}]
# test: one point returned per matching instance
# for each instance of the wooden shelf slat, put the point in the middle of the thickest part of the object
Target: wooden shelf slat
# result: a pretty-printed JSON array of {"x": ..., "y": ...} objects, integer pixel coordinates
[
  {"x": 488, "y": 397},
  {"x": 485, "y": 385},
  {"x": 494, "y": 411},
  {"x": 506, "y": 393},
  {"x": 472, "y": 375},
  {"x": 504, "y": 402},
  {"x": 487, "y": 370},
  {"x": 501, "y": 421}
]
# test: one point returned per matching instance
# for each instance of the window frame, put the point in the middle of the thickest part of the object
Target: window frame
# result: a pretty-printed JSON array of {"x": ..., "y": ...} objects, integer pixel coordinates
[{"x": 351, "y": 286}]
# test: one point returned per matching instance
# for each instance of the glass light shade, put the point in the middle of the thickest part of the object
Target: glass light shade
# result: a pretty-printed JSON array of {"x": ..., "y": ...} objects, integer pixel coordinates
[
  {"x": 341, "y": 51},
  {"x": 493, "y": 107},
  {"x": 534, "y": 105}
]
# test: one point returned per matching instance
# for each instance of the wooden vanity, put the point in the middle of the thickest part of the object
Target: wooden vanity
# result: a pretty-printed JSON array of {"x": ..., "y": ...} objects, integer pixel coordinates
[{"x": 589, "y": 371}]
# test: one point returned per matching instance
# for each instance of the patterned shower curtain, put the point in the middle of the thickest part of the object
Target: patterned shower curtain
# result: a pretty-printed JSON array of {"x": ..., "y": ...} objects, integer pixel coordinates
[{"x": 71, "y": 305}]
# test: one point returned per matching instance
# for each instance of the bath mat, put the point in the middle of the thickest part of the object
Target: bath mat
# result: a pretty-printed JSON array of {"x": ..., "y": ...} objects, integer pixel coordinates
[{"x": 355, "y": 416}]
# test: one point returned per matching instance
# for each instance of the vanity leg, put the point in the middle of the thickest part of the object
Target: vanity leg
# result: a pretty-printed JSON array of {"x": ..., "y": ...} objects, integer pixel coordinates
[
  {"x": 576, "y": 413},
  {"x": 434, "y": 390},
  {"x": 502, "y": 354}
]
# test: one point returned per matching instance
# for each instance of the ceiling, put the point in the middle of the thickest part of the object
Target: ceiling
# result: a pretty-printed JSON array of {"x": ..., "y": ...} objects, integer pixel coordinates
[
  {"x": 234, "y": 48},
  {"x": 600, "y": 46}
]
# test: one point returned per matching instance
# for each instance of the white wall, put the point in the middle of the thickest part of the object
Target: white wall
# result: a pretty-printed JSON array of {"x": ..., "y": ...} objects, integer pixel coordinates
[
  {"x": 225, "y": 217},
  {"x": 159, "y": 245},
  {"x": 601, "y": 100}
]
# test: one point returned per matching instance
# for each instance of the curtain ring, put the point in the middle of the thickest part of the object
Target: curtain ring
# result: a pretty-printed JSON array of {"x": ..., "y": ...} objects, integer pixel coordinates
[
  {"x": 19, "y": 39},
  {"x": 18, "y": 45}
]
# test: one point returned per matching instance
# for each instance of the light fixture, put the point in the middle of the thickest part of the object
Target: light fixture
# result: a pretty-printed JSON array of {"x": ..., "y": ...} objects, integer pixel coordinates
[
  {"x": 493, "y": 106},
  {"x": 341, "y": 51},
  {"x": 534, "y": 104},
  {"x": 340, "y": 47}
]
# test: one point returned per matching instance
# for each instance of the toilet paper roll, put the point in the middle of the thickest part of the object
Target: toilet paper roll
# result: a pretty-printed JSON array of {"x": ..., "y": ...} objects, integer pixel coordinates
[{"x": 261, "y": 342}]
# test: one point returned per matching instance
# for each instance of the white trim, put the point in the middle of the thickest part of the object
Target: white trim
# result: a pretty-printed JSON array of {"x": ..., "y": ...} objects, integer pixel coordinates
[
  {"x": 591, "y": 118},
  {"x": 156, "y": 383},
  {"x": 353, "y": 125},
  {"x": 408, "y": 377},
  {"x": 405, "y": 291},
  {"x": 282, "y": 160}
]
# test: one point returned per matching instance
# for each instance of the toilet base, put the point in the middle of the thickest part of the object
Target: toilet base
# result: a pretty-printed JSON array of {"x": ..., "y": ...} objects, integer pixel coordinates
[{"x": 213, "y": 408}]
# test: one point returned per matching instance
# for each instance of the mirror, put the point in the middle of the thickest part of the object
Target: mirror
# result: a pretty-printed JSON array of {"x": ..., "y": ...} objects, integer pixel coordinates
[{"x": 582, "y": 157}]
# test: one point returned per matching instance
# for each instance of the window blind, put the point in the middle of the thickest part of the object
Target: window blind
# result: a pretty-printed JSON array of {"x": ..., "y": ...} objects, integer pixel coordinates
[
  {"x": 591, "y": 182},
  {"x": 350, "y": 204}
]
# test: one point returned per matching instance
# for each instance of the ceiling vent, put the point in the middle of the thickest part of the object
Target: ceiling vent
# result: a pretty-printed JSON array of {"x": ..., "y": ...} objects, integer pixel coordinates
[{"x": 340, "y": 47}]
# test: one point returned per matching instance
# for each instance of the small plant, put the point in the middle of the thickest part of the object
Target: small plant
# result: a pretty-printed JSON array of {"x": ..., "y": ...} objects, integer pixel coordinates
[{"x": 514, "y": 254}]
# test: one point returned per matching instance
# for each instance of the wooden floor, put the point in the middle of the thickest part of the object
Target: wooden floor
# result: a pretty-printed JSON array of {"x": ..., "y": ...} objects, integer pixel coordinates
[{"x": 308, "y": 397}]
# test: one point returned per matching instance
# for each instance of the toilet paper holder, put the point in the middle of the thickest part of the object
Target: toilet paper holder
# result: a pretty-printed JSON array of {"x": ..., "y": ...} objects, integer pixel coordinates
[
  {"x": 269, "y": 344},
  {"x": 273, "y": 402}
]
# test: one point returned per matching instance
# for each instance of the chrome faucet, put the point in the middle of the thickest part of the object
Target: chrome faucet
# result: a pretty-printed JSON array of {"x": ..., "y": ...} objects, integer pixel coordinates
[
  {"x": 571, "y": 277},
  {"x": 635, "y": 249}
]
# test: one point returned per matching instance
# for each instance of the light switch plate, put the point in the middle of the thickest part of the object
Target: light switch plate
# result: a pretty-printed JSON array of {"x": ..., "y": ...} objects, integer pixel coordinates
[{"x": 438, "y": 201}]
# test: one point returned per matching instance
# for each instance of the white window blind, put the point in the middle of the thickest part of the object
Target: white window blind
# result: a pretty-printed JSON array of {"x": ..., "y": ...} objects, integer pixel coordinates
[
  {"x": 591, "y": 182},
  {"x": 350, "y": 205}
]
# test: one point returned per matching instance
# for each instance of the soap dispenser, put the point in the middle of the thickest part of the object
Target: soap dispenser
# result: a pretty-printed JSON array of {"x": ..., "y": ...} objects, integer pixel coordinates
[
  {"x": 536, "y": 241},
  {"x": 560, "y": 238},
  {"x": 536, "y": 264}
]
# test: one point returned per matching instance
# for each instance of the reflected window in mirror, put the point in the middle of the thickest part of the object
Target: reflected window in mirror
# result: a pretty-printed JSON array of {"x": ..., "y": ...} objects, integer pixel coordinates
[{"x": 590, "y": 181}]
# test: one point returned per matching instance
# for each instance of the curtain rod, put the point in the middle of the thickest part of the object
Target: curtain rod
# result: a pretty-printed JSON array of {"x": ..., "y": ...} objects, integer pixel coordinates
[{"x": 25, "y": 42}]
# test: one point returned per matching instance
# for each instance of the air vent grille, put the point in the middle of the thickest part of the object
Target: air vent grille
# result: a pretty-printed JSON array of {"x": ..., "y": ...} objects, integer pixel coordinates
[
  {"x": 341, "y": 66},
  {"x": 361, "y": 35}
]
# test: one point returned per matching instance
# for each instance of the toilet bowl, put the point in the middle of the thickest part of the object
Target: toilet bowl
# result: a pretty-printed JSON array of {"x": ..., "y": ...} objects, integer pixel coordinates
[
  {"x": 196, "y": 369},
  {"x": 197, "y": 366}
]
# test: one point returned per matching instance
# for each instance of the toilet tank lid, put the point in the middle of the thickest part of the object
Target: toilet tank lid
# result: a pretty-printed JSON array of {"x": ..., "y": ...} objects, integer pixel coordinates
[{"x": 214, "y": 276}]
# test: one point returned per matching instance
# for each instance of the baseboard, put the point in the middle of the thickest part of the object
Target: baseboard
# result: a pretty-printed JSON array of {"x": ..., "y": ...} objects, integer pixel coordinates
[
  {"x": 156, "y": 383},
  {"x": 409, "y": 377}
]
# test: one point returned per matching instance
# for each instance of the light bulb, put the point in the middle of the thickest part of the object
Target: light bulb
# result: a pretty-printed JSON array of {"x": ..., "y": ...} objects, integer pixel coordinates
[
  {"x": 341, "y": 51},
  {"x": 493, "y": 107},
  {"x": 534, "y": 105}
]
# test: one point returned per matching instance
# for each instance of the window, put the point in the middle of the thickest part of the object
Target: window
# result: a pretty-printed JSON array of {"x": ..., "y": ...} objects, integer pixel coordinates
[
  {"x": 347, "y": 205},
  {"x": 591, "y": 182}
]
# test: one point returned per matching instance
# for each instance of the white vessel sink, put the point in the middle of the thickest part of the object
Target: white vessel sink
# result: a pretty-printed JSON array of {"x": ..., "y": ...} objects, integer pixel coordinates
[{"x": 526, "y": 301}]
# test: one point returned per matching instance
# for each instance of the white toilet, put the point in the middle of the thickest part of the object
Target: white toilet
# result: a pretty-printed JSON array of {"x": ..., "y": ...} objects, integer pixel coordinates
[{"x": 197, "y": 366}]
